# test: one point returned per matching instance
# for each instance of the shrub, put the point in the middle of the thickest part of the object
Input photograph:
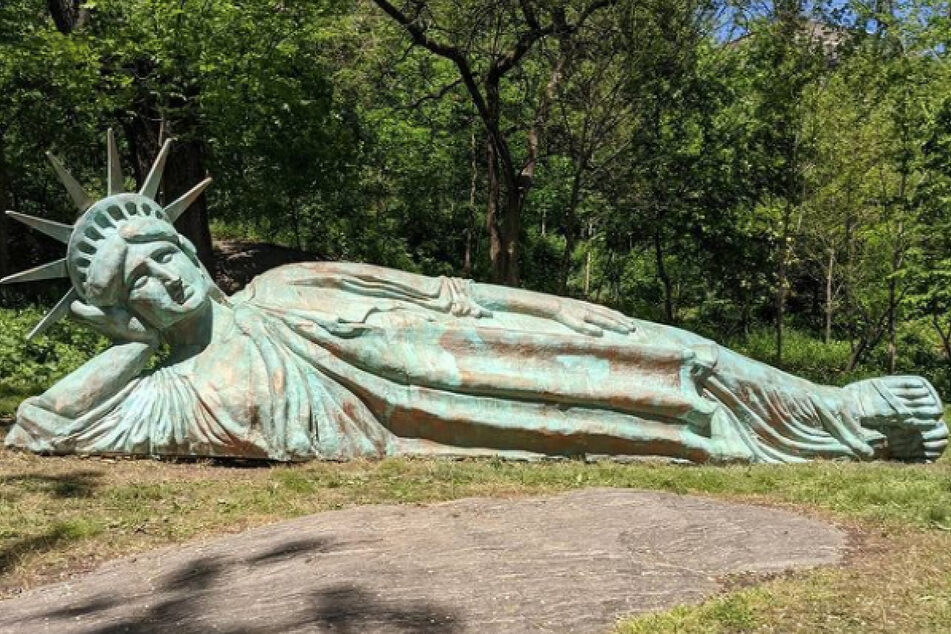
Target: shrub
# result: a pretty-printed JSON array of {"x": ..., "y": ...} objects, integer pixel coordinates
[{"x": 29, "y": 367}]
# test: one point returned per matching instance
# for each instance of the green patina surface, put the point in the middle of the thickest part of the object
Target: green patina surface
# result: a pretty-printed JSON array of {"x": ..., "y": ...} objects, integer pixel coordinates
[{"x": 336, "y": 361}]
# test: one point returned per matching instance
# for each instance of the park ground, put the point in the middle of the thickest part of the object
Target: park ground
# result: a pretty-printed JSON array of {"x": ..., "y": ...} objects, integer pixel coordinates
[{"x": 60, "y": 516}]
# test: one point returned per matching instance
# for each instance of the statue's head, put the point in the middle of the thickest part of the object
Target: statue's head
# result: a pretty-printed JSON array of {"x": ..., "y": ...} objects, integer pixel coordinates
[{"x": 124, "y": 251}]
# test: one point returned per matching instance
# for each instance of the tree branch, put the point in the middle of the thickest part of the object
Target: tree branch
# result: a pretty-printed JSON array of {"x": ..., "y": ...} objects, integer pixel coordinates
[
  {"x": 451, "y": 53},
  {"x": 433, "y": 96}
]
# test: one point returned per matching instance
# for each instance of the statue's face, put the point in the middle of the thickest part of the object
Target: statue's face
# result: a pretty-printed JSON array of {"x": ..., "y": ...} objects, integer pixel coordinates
[{"x": 164, "y": 285}]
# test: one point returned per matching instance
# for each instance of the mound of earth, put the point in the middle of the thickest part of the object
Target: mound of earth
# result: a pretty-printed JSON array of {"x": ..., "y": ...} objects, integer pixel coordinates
[{"x": 238, "y": 262}]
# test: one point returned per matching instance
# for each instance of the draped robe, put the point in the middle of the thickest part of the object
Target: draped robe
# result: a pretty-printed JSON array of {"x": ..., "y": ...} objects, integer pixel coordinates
[{"x": 336, "y": 361}]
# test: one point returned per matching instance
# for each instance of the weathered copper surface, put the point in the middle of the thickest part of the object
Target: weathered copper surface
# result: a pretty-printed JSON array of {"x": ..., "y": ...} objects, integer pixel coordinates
[{"x": 338, "y": 360}]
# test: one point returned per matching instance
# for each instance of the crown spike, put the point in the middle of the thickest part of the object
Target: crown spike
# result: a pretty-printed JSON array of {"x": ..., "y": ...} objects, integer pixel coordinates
[
  {"x": 113, "y": 169},
  {"x": 174, "y": 210},
  {"x": 56, "y": 230},
  {"x": 56, "y": 313},
  {"x": 154, "y": 179},
  {"x": 48, "y": 271},
  {"x": 80, "y": 198}
]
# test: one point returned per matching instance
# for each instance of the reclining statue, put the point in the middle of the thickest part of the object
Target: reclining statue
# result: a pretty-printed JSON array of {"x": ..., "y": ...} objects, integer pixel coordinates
[{"x": 331, "y": 360}]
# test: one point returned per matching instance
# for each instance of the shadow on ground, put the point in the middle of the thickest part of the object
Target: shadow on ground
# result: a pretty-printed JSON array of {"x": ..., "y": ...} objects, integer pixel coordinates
[
  {"x": 183, "y": 599},
  {"x": 75, "y": 484},
  {"x": 50, "y": 540}
]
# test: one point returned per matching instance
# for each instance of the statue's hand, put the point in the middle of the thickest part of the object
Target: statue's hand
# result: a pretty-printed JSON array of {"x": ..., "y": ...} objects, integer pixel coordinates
[
  {"x": 115, "y": 323},
  {"x": 592, "y": 319}
]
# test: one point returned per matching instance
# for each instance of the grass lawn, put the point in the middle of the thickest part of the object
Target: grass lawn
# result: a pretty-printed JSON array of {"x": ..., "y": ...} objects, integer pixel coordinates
[{"x": 59, "y": 516}]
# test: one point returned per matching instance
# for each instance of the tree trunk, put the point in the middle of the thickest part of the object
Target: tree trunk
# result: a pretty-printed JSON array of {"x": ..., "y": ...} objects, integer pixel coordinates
[
  {"x": 945, "y": 336},
  {"x": 869, "y": 339},
  {"x": 502, "y": 219},
  {"x": 571, "y": 230},
  {"x": 183, "y": 171},
  {"x": 492, "y": 211},
  {"x": 782, "y": 282},
  {"x": 68, "y": 15},
  {"x": 892, "y": 346},
  {"x": 664, "y": 278},
  {"x": 470, "y": 212},
  {"x": 511, "y": 228},
  {"x": 746, "y": 316},
  {"x": 828, "y": 307},
  {"x": 4, "y": 205}
]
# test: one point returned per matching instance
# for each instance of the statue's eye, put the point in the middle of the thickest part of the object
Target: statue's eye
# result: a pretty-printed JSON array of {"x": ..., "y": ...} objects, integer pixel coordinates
[
  {"x": 140, "y": 282},
  {"x": 165, "y": 258}
]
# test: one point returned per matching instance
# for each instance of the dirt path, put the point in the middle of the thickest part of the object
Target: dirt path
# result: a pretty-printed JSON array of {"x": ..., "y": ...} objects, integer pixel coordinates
[{"x": 572, "y": 562}]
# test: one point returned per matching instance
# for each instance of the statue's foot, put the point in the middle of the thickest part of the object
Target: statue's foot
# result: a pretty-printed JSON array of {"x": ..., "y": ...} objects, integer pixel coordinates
[{"x": 907, "y": 410}]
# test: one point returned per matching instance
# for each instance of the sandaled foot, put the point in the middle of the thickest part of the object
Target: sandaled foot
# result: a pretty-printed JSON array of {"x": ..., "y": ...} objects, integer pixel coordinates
[{"x": 907, "y": 410}]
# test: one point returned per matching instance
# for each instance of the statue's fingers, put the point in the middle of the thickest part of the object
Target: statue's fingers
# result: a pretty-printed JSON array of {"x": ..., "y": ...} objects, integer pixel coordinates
[
  {"x": 581, "y": 325},
  {"x": 926, "y": 413},
  {"x": 86, "y": 311},
  {"x": 914, "y": 394},
  {"x": 613, "y": 320},
  {"x": 626, "y": 323},
  {"x": 608, "y": 322},
  {"x": 936, "y": 445},
  {"x": 938, "y": 432},
  {"x": 922, "y": 424}
]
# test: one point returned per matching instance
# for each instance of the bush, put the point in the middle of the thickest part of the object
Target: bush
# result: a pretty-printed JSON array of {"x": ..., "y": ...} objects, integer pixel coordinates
[
  {"x": 804, "y": 355},
  {"x": 809, "y": 357},
  {"x": 29, "y": 367}
]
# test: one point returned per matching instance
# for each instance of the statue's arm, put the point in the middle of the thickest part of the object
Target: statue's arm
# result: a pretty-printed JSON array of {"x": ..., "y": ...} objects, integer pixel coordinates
[
  {"x": 580, "y": 316},
  {"x": 467, "y": 298},
  {"x": 96, "y": 380},
  {"x": 514, "y": 300}
]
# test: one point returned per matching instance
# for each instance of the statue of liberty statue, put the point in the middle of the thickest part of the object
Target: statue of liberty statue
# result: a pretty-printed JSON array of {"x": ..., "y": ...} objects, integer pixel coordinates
[{"x": 331, "y": 360}]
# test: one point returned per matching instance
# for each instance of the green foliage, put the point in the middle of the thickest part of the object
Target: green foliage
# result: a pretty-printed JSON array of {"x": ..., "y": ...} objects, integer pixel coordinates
[
  {"x": 28, "y": 368},
  {"x": 804, "y": 356},
  {"x": 685, "y": 174}
]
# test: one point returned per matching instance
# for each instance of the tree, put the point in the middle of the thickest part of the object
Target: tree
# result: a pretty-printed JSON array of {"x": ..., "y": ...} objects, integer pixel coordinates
[
  {"x": 785, "y": 57},
  {"x": 488, "y": 43}
]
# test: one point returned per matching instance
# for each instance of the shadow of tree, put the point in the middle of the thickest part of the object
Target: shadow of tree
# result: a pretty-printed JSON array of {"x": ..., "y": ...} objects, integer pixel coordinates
[
  {"x": 75, "y": 484},
  {"x": 288, "y": 550},
  {"x": 51, "y": 539},
  {"x": 184, "y": 601},
  {"x": 347, "y": 608},
  {"x": 93, "y": 605},
  {"x": 180, "y": 612}
]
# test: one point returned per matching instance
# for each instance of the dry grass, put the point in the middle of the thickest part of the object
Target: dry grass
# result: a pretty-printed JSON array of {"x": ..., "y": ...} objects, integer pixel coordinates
[
  {"x": 898, "y": 581},
  {"x": 60, "y": 516}
]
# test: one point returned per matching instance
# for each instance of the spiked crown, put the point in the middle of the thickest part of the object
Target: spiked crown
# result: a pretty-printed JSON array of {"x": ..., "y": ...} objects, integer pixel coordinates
[{"x": 97, "y": 222}]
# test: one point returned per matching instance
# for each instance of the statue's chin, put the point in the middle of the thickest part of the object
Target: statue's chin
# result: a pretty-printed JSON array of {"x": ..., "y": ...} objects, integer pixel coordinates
[{"x": 171, "y": 315}]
